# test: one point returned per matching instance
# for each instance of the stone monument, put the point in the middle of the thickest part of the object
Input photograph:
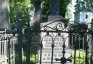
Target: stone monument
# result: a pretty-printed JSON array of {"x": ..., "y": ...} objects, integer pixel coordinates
[
  {"x": 52, "y": 42},
  {"x": 4, "y": 14}
]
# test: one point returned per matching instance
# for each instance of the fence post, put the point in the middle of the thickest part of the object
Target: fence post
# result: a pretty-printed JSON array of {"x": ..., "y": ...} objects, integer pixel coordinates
[
  {"x": 92, "y": 51},
  {"x": 92, "y": 42},
  {"x": 28, "y": 44},
  {"x": 74, "y": 42},
  {"x": 86, "y": 49},
  {"x": 20, "y": 45},
  {"x": 9, "y": 50}
]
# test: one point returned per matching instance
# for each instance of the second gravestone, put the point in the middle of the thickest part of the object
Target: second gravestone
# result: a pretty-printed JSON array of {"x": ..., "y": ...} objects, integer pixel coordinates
[{"x": 56, "y": 38}]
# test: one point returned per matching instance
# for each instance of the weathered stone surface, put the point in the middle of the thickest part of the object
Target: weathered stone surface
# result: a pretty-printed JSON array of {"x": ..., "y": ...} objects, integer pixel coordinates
[
  {"x": 4, "y": 14},
  {"x": 54, "y": 24}
]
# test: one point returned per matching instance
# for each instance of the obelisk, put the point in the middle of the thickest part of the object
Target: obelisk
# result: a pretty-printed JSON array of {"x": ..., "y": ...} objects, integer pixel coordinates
[
  {"x": 54, "y": 13},
  {"x": 4, "y": 15}
]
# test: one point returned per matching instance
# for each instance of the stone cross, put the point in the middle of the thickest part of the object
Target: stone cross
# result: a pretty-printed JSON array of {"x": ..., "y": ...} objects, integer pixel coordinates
[{"x": 54, "y": 7}]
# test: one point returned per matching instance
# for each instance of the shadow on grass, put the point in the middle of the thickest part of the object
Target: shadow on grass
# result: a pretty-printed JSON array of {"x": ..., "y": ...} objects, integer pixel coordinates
[
  {"x": 33, "y": 59},
  {"x": 24, "y": 62}
]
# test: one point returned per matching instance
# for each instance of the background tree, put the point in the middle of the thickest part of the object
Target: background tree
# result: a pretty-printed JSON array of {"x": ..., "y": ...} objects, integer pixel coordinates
[
  {"x": 19, "y": 9},
  {"x": 84, "y": 4},
  {"x": 22, "y": 8}
]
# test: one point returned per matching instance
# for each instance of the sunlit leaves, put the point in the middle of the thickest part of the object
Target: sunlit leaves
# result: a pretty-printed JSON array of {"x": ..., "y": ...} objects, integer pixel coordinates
[
  {"x": 19, "y": 9},
  {"x": 84, "y": 4},
  {"x": 45, "y": 9}
]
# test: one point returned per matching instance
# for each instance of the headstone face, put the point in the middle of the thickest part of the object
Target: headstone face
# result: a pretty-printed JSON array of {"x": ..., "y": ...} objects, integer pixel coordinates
[
  {"x": 4, "y": 14},
  {"x": 58, "y": 40}
]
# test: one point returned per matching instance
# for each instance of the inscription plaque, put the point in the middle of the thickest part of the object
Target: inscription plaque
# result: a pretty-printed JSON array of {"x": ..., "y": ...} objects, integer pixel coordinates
[{"x": 47, "y": 41}]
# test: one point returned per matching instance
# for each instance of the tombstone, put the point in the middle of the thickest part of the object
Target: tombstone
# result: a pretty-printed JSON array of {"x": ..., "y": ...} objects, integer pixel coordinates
[
  {"x": 4, "y": 14},
  {"x": 53, "y": 40},
  {"x": 58, "y": 42}
]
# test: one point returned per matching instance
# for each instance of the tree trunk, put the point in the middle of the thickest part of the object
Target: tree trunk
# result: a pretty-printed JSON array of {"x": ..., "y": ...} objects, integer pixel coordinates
[{"x": 37, "y": 21}]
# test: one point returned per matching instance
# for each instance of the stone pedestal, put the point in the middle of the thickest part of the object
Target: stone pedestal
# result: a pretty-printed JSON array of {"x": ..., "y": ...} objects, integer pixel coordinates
[{"x": 52, "y": 18}]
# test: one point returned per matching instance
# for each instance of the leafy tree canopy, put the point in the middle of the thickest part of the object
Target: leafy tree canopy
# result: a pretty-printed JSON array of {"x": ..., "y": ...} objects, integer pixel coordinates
[
  {"x": 19, "y": 9},
  {"x": 84, "y": 4}
]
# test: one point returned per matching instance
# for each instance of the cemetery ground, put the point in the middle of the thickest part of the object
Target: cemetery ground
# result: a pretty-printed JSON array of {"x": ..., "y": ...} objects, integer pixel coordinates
[
  {"x": 80, "y": 57},
  {"x": 33, "y": 59}
]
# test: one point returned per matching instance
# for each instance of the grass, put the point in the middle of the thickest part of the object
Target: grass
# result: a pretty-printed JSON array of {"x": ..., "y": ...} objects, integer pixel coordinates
[
  {"x": 33, "y": 59},
  {"x": 80, "y": 57}
]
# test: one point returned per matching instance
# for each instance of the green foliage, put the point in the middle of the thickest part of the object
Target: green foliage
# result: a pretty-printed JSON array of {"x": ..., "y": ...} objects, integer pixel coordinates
[
  {"x": 84, "y": 4},
  {"x": 63, "y": 7},
  {"x": 80, "y": 57},
  {"x": 45, "y": 9},
  {"x": 33, "y": 59},
  {"x": 19, "y": 9}
]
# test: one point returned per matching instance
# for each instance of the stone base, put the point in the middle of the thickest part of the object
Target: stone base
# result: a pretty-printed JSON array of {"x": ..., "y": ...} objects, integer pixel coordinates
[{"x": 54, "y": 18}]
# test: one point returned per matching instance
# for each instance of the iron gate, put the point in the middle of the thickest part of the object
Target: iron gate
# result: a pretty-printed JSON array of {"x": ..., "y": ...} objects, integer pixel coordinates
[
  {"x": 55, "y": 38},
  {"x": 77, "y": 39},
  {"x": 71, "y": 41}
]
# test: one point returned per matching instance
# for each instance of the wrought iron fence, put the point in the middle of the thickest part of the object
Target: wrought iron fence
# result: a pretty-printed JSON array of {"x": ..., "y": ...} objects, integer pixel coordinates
[
  {"x": 55, "y": 43},
  {"x": 75, "y": 40},
  {"x": 7, "y": 48}
]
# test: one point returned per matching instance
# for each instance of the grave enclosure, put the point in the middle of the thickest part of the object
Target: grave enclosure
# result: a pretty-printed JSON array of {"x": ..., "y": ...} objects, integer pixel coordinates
[
  {"x": 54, "y": 42},
  {"x": 58, "y": 42}
]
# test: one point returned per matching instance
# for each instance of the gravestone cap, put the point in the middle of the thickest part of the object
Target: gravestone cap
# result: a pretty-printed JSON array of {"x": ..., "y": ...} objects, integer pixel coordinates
[{"x": 54, "y": 18}]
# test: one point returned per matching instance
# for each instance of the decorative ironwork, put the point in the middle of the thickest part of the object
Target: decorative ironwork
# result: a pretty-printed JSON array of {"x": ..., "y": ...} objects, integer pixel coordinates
[
  {"x": 80, "y": 34},
  {"x": 55, "y": 40}
]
